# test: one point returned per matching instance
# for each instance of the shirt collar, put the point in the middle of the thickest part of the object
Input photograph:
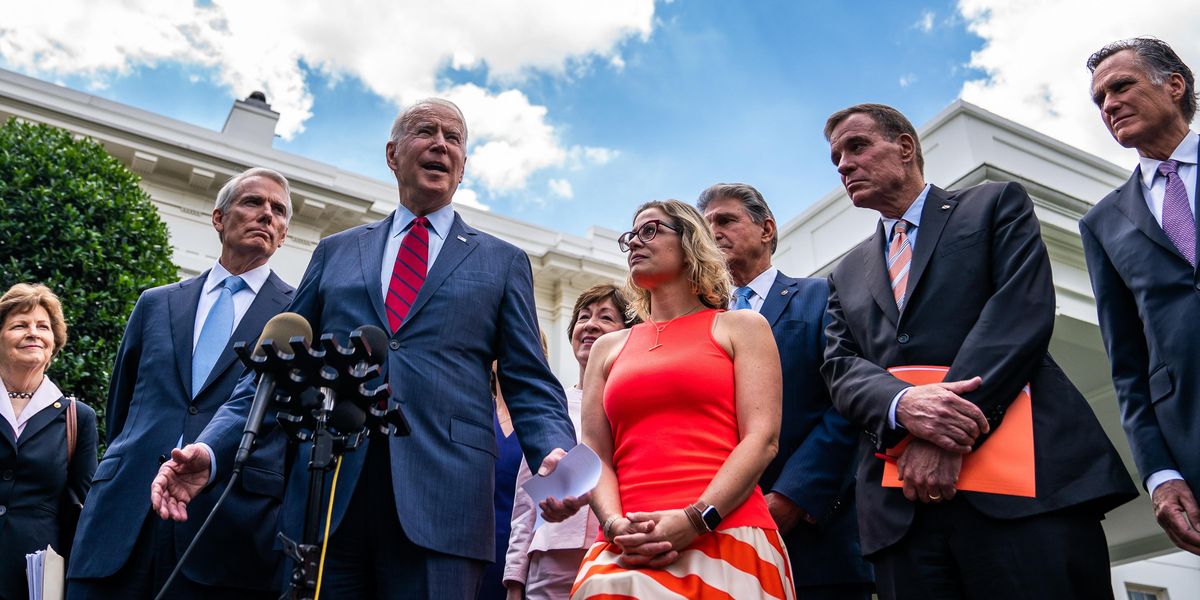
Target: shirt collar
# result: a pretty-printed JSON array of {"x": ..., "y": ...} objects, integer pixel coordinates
[
  {"x": 762, "y": 284},
  {"x": 1184, "y": 153},
  {"x": 254, "y": 278},
  {"x": 912, "y": 215},
  {"x": 439, "y": 220},
  {"x": 46, "y": 394}
]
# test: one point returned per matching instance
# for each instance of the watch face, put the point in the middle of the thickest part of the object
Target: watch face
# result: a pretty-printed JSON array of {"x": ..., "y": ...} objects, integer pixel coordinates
[{"x": 711, "y": 517}]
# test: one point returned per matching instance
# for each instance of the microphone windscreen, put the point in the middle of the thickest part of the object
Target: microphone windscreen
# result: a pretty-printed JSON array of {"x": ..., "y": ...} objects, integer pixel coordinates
[
  {"x": 346, "y": 417},
  {"x": 375, "y": 341},
  {"x": 281, "y": 328}
]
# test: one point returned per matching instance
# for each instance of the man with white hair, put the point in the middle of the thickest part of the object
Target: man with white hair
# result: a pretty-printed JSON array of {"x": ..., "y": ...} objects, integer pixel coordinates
[
  {"x": 413, "y": 516},
  {"x": 175, "y": 368}
]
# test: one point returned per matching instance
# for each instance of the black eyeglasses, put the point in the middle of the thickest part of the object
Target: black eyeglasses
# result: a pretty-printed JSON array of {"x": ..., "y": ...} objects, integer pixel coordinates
[{"x": 646, "y": 232}]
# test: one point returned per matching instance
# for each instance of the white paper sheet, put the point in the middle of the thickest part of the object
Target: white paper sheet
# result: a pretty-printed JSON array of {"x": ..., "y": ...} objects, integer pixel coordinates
[{"x": 576, "y": 474}]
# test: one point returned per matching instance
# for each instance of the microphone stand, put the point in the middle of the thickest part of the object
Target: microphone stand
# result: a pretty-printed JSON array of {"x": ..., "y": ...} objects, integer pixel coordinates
[{"x": 339, "y": 375}]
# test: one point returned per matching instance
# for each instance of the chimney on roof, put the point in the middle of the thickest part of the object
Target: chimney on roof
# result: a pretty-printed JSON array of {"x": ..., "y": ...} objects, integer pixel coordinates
[{"x": 252, "y": 121}]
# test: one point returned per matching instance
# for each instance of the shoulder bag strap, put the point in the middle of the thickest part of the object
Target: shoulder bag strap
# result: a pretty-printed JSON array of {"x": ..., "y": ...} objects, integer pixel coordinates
[{"x": 72, "y": 430}]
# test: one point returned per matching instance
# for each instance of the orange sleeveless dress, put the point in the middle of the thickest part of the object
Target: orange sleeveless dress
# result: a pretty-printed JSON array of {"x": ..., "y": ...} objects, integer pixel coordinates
[{"x": 669, "y": 400}]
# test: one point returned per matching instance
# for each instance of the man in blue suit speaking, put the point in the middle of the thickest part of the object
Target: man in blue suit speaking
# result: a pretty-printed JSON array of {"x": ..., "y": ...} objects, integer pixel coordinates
[
  {"x": 175, "y": 368},
  {"x": 809, "y": 486},
  {"x": 413, "y": 515}
]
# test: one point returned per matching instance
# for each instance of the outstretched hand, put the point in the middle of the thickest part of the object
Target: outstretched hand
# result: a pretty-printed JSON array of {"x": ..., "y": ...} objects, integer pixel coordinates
[{"x": 179, "y": 480}]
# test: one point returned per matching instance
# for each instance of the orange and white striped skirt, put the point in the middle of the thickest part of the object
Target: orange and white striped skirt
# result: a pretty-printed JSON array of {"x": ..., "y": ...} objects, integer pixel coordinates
[{"x": 738, "y": 563}]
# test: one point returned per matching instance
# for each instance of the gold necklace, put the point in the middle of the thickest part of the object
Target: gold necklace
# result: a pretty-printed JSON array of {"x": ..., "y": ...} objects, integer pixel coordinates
[{"x": 658, "y": 329}]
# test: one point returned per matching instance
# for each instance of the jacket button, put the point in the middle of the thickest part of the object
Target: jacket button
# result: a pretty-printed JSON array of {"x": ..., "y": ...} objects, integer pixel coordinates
[
  {"x": 8, "y": 475},
  {"x": 3, "y": 509},
  {"x": 902, "y": 338},
  {"x": 394, "y": 345},
  {"x": 193, "y": 410}
]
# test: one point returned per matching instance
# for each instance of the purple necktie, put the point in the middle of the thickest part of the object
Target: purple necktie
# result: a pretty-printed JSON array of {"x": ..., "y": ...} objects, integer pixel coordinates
[{"x": 1177, "y": 219}]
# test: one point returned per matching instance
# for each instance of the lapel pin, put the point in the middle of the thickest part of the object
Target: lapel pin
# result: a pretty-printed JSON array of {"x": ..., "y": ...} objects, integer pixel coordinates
[
  {"x": 58, "y": 405},
  {"x": 945, "y": 207},
  {"x": 462, "y": 239},
  {"x": 783, "y": 292}
]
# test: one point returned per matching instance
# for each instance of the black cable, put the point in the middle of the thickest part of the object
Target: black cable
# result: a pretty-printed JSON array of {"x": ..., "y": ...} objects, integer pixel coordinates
[{"x": 179, "y": 565}]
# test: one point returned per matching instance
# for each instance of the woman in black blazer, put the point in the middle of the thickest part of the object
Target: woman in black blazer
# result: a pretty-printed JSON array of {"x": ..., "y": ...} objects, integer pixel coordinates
[{"x": 37, "y": 481}]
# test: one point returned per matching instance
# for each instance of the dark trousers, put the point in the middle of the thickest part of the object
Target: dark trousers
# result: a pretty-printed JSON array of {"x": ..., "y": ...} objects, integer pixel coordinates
[
  {"x": 848, "y": 591},
  {"x": 953, "y": 551},
  {"x": 370, "y": 557},
  {"x": 150, "y": 563}
]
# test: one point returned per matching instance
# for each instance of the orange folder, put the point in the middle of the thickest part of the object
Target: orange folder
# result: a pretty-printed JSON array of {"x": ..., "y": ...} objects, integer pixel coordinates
[{"x": 1003, "y": 464}]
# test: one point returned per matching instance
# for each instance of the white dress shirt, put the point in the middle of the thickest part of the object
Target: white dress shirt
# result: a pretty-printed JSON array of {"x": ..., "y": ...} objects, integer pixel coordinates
[
  {"x": 46, "y": 394},
  {"x": 1154, "y": 184},
  {"x": 761, "y": 286}
]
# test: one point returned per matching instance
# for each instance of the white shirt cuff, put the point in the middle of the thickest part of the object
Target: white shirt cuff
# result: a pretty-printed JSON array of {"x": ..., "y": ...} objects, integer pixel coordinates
[
  {"x": 1158, "y": 478},
  {"x": 212, "y": 463},
  {"x": 892, "y": 408}
]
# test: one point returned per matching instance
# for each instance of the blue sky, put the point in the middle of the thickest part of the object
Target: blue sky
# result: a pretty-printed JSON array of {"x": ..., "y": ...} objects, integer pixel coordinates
[{"x": 633, "y": 101}]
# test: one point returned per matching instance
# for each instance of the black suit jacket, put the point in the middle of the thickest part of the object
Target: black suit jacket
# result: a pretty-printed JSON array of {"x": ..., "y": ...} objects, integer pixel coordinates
[
  {"x": 981, "y": 301},
  {"x": 150, "y": 406},
  {"x": 34, "y": 478},
  {"x": 1148, "y": 298},
  {"x": 817, "y": 447}
]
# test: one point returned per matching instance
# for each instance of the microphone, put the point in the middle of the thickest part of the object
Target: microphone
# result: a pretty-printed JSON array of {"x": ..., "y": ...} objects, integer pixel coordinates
[
  {"x": 370, "y": 343},
  {"x": 280, "y": 328},
  {"x": 374, "y": 343}
]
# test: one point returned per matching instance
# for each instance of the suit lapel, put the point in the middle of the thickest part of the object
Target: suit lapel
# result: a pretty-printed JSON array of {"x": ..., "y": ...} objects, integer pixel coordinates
[
  {"x": 875, "y": 268},
  {"x": 7, "y": 433},
  {"x": 459, "y": 242},
  {"x": 371, "y": 243},
  {"x": 782, "y": 292},
  {"x": 39, "y": 421},
  {"x": 1132, "y": 203},
  {"x": 933, "y": 222},
  {"x": 267, "y": 303},
  {"x": 181, "y": 303}
]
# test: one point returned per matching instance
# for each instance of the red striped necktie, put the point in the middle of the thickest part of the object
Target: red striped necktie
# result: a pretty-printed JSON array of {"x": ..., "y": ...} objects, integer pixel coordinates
[
  {"x": 412, "y": 264},
  {"x": 899, "y": 259}
]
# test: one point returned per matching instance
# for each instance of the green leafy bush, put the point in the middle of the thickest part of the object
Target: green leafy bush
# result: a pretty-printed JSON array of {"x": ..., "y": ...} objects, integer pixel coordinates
[{"x": 74, "y": 218}]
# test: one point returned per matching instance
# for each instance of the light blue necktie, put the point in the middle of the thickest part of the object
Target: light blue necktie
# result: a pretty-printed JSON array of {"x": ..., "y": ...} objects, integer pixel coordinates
[
  {"x": 742, "y": 298},
  {"x": 214, "y": 336}
]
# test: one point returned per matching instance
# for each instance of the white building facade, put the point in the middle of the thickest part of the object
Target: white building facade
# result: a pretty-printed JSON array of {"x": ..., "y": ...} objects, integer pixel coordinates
[{"x": 182, "y": 167}]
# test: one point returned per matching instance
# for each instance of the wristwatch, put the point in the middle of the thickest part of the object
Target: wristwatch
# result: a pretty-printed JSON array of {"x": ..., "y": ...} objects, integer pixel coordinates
[{"x": 711, "y": 517}]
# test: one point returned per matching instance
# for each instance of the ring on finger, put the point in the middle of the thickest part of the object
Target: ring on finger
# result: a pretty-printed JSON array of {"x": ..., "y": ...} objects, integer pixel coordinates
[{"x": 935, "y": 497}]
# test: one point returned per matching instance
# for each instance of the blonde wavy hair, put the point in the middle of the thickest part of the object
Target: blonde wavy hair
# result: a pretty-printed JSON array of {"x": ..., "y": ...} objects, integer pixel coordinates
[{"x": 704, "y": 265}]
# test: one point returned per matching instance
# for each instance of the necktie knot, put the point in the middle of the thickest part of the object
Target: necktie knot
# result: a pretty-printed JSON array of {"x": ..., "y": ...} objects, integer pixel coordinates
[
  {"x": 900, "y": 228},
  {"x": 1167, "y": 168},
  {"x": 742, "y": 298},
  {"x": 421, "y": 221},
  {"x": 234, "y": 284}
]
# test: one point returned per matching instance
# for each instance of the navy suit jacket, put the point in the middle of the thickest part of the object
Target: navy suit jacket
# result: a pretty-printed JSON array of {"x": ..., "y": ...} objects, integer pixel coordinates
[
  {"x": 1148, "y": 298},
  {"x": 475, "y": 306},
  {"x": 35, "y": 479},
  {"x": 817, "y": 447},
  {"x": 980, "y": 301},
  {"x": 149, "y": 407}
]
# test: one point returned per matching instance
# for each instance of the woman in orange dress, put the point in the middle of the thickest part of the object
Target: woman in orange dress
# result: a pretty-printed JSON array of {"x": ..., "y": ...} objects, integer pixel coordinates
[{"x": 684, "y": 412}]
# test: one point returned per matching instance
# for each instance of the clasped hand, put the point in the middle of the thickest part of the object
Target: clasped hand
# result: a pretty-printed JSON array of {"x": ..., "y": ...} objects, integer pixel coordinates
[
  {"x": 652, "y": 539},
  {"x": 937, "y": 413}
]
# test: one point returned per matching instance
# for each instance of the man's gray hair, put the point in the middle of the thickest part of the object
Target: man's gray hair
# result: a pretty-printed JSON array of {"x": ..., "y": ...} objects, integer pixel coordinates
[
  {"x": 1159, "y": 61},
  {"x": 230, "y": 190},
  {"x": 404, "y": 119},
  {"x": 751, "y": 200}
]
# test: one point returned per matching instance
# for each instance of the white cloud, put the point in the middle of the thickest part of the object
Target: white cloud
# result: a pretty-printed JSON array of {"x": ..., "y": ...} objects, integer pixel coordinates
[
  {"x": 468, "y": 197},
  {"x": 1034, "y": 53},
  {"x": 399, "y": 50},
  {"x": 925, "y": 23},
  {"x": 907, "y": 80},
  {"x": 562, "y": 188}
]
